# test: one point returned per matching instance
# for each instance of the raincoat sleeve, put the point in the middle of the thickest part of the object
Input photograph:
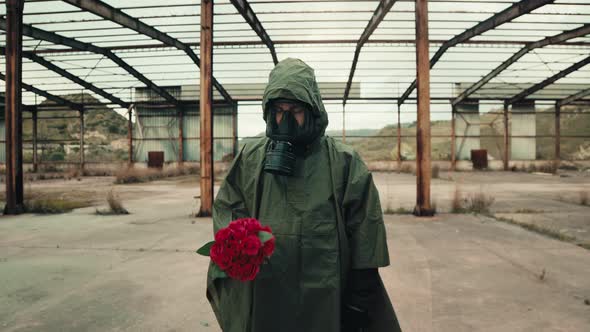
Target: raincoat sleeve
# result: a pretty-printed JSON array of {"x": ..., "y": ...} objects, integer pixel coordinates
[
  {"x": 230, "y": 299},
  {"x": 363, "y": 218},
  {"x": 229, "y": 203}
]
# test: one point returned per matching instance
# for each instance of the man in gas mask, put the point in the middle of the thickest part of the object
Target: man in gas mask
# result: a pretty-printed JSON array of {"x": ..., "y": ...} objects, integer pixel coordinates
[{"x": 322, "y": 205}]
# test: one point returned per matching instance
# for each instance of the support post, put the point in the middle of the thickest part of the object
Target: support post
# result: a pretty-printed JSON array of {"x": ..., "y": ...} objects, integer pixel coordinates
[
  {"x": 82, "y": 132},
  {"x": 13, "y": 108},
  {"x": 180, "y": 137},
  {"x": 506, "y": 138},
  {"x": 399, "y": 140},
  {"x": 423, "y": 169},
  {"x": 35, "y": 158},
  {"x": 453, "y": 140},
  {"x": 557, "y": 132},
  {"x": 206, "y": 141},
  {"x": 130, "y": 137}
]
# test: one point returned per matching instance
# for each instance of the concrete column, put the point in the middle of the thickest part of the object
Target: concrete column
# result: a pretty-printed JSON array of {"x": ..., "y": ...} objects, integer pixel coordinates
[
  {"x": 206, "y": 116},
  {"x": 467, "y": 128},
  {"x": 506, "y": 158},
  {"x": 13, "y": 108},
  {"x": 523, "y": 125},
  {"x": 130, "y": 137},
  {"x": 423, "y": 168}
]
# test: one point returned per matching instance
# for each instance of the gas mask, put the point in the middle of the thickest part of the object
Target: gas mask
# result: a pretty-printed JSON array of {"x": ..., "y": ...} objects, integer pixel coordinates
[{"x": 288, "y": 139}]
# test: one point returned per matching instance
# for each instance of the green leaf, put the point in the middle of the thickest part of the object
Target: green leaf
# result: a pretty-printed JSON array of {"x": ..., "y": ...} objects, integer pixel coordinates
[
  {"x": 264, "y": 236},
  {"x": 216, "y": 272},
  {"x": 204, "y": 250}
]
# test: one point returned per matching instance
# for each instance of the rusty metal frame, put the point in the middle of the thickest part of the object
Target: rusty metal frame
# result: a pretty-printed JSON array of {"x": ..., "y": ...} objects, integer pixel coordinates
[
  {"x": 564, "y": 36},
  {"x": 508, "y": 14},
  {"x": 247, "y": 12},
  {"x": 548, "y": 81},
  {"x": 570, "y": 99},
  {"x": 62, "y": 72},
  {"x": 13, "y": 109},
  {"x": 105, "y": 11},
  {"x": 52, "y": 37},
  {"x": 206, "y": 110},
  {"x": 382, "y": 9},
  {"x": 57, "y": 99}
]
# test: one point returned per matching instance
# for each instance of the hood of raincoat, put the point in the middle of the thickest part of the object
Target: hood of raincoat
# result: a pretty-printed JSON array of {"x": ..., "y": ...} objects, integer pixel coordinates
[{"x": 294, "y": 79}]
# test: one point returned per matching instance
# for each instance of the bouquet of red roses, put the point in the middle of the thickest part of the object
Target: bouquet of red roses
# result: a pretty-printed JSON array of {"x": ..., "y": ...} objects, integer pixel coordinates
[{"x": 239, "y": 249}]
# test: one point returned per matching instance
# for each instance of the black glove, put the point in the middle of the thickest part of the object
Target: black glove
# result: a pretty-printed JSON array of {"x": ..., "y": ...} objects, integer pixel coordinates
[
  {"x": 360, "y": 294},
  {"x": 354, "y": 319}
]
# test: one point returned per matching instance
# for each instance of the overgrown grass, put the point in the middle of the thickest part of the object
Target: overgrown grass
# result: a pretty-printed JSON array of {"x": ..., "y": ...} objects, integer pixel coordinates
[
  {"x": 138, "y": 175},
  {"x": 478, "y": 203},
  {"x": 53, "y": 206},
  {"x": 407, "y": 169},
  {"x": 115, "y": 205},
  {"x": 528, "y": 211},
  {"x": 545, "y": 231},
  {"x": 435, "y": 171},
  {"x": 399, "y": 210},
  {"x": 457, "y": 201},
  {"x": 549, "y": 167}
]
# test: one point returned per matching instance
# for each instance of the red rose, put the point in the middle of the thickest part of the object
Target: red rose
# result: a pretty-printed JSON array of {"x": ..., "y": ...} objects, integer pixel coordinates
[
  {"x": 241, "y": 259},
  {"x": 222, "y": 234},
  {"x": 238, "y": 230},
  {"x": 259, "y": 258},
  {"x": 269, "y": 247},
  {"x": 249, "y": 272},
  {"x": 234, "y": 271},
  {"x": 220, "y": 256},
  {"x": 251, "y": 245},
  {"x": 252, "y": 225}
]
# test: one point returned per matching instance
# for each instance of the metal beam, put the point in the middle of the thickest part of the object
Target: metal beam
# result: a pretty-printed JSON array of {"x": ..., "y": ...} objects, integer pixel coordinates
[
  {"x": 380, "y": 12},
  {"x": 52, "y": 97},
  {"x": 572, "y": 98},
  {"x": 548, "y": 81},
  {"x": 206, "y": 109},
  {"x": 81, "y": 46},
  {"x": 13, "y": 109},
  {"x": 310, "y": 42},
  {"x": 508, "y": 14},
  {"x": 247, "y": 12},
  {"x": 579, "y": 32},
  {"x": 423, "y": 145},
  {"x": 108, "y": 12},
  {"x": 42, "y": 61}
]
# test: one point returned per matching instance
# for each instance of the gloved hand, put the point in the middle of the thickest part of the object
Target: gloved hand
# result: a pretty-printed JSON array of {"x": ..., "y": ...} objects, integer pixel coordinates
[
  {"x": 354, "y": 319},
  {"x": 362, "y": 287}
]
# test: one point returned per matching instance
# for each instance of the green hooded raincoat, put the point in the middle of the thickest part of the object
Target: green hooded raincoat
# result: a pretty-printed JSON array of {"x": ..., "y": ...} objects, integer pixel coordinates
[{"x": 326, "y": 219}]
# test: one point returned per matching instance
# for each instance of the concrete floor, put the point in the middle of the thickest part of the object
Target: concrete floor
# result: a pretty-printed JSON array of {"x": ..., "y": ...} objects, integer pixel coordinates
[{"x": 82, "y": 272}]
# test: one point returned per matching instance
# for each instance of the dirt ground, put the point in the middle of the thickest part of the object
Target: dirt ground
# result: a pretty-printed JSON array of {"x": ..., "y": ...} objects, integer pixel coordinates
[{"x": 455, "y": 272}]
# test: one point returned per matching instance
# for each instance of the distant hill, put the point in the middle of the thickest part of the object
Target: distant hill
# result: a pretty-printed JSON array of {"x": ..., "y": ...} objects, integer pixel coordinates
[
  {"x": 103, "y": 129},
  {"x": 575, "y": 120}
]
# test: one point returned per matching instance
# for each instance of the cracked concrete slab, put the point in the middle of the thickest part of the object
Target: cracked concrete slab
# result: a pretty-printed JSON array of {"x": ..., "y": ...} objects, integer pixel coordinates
[{"x": 83, "y": 272}]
